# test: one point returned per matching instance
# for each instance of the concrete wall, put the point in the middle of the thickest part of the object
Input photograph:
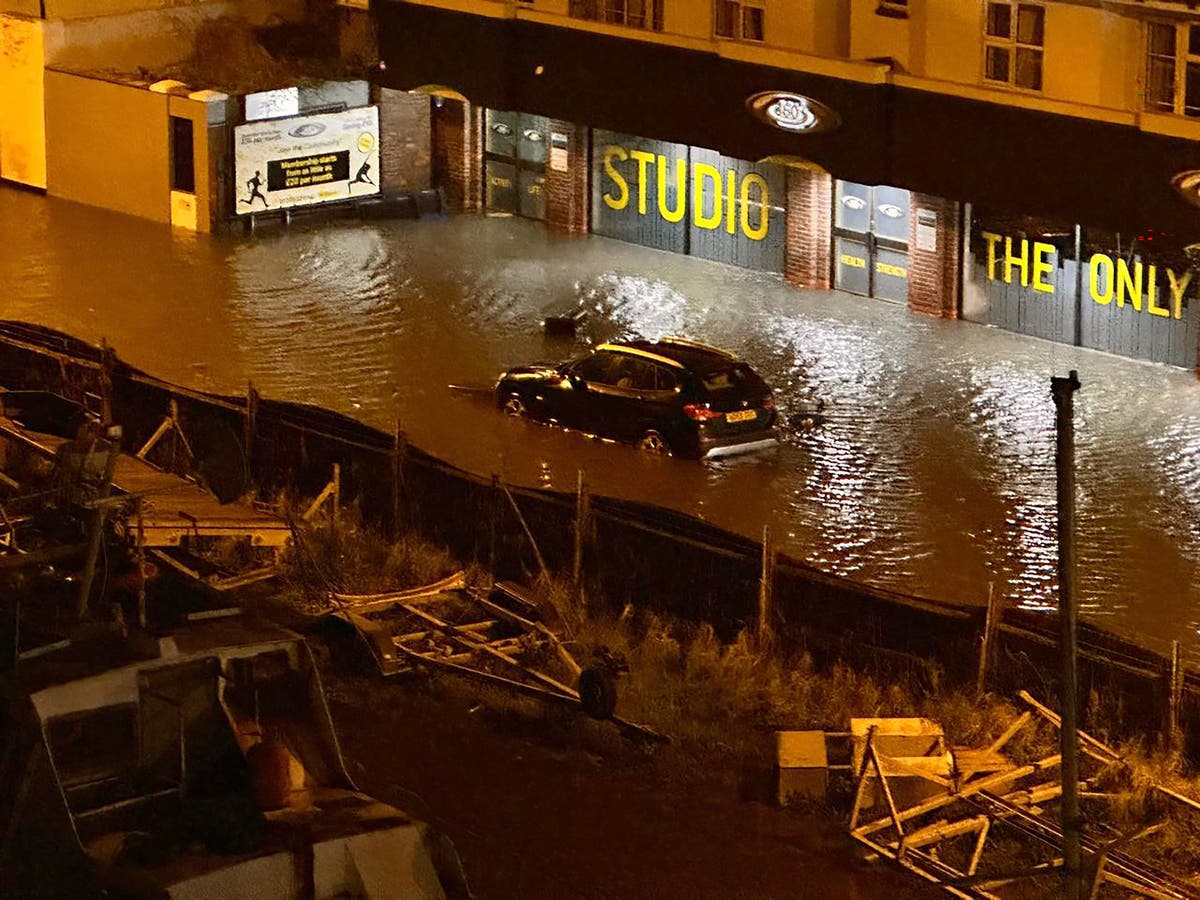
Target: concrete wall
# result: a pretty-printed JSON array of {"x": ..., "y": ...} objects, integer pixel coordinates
[
  {"x": 22, "y": 123},
  {"x": 108, "y": 145},
  {"x": 149, "y": 38}
]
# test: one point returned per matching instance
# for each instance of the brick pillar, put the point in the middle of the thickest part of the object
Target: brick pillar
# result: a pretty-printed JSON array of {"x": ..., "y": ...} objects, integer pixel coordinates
[
  {"x": 933, "y": 278},
  {"x": 404, "y": 140},
  {"x": 567, "y": 191},
  {"x": 457, "y": 153},
  {"x": 807, "y": 259}
]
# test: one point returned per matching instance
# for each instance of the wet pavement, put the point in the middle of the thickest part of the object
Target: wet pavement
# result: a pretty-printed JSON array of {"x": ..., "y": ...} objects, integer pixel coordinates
[{"x": 934, "y": 472}]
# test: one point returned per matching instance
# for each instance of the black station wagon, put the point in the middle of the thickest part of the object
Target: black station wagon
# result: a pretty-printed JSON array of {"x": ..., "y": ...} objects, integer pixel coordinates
[{"x": 669, "y": 396}]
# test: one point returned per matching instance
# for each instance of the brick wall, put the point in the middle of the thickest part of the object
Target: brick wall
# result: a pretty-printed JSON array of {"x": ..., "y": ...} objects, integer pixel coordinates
[
  {"x": 807, "y": 260},
  {"x": 933, "y": 277},
  {"x": 404, "y": 140},
  {"x": 567, "y": 192},
  {"x": 457, "y": 154}
]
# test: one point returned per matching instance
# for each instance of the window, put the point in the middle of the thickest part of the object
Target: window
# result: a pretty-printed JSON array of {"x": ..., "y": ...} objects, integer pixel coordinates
[
  {"x": 634, "y": 374},
  {"x": 1012, "y": 46},
  {"x": 1173, "y": 68},
  {"x": 600, "y": 368},
  {"x": 738, "y": 20},
  {"x": 183, "y": 165},
  {"x": 645, "y": 14}
]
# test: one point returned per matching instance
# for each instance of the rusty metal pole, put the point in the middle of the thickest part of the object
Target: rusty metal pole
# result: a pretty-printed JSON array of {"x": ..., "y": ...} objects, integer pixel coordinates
[{"x": 1064, "y": 390}]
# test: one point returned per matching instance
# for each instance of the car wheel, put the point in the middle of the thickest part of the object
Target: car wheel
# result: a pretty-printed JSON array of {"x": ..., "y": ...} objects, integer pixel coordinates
[
  {"x": 598, "y": 693},
  {"x": 654, "y": 442},
  {"x": 515, "y": 406}
]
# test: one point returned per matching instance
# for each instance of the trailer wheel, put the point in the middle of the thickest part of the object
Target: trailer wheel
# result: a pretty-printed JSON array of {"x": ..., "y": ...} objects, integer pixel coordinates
[{"x": 598, "y": 693}]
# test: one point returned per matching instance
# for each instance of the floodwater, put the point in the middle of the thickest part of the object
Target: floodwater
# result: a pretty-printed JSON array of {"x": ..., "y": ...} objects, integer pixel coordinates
[{"x": 933, "y": 474}]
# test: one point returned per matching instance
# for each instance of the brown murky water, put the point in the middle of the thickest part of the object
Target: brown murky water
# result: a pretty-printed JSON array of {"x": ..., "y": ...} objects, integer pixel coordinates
[{"x": 934, "y": 473}]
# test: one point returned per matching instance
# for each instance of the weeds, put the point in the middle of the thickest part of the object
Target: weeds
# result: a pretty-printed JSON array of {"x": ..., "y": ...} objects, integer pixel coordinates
[{"x": 721, "y": 702}]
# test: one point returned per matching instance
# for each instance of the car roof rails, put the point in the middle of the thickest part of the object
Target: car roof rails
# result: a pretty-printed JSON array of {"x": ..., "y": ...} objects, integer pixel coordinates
[
  {"x": 634, "y": 350},
  {"x": 697, "y": 345}
]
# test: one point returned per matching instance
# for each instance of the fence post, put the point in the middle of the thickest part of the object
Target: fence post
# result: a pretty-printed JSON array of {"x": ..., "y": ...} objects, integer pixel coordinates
[
  {"x": 399, "y": 452},
  {"x": 335, "y": 500},
  {"x": 766, "y": 591},
  {"x": 251, "y": 428},
  {"x": 494, "y": 524},
  {"x": 991, "y": 624},
  {"x": 1174, "y": 698},
  {"x": 582, "y": 526},
  {"x": 106, "y": 387}
]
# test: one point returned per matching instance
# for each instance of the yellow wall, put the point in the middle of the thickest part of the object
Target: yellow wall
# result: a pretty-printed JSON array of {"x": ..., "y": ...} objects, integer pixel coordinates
[
  {"x": 1091, "y": 57},
  {"x": 692, "y": 18},
  {"x": 873, "y": 36},
  {"x": 202, "y": 164},
  {"x": 22, "y": 116},
  {"x": 950, "y": 42},
  {"x": 107, "y": 145}
]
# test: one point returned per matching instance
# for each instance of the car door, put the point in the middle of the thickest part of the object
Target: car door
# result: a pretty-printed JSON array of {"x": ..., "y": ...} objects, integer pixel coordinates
[
  {"x": 587, "y": 405},
  {"x": 626, "y": 402}
]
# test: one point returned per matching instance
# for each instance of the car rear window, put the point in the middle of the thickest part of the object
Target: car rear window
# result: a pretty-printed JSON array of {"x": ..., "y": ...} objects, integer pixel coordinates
[{"x": 738, "y": 378}]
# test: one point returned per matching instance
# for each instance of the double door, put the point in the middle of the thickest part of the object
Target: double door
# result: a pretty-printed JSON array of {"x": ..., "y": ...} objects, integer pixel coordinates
[
  {"x": 870, "y": 240},
  {"x": 515, "y": 163}
]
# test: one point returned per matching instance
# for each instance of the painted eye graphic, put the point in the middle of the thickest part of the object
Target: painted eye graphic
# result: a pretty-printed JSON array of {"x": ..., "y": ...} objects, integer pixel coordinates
[
  {"x": 892, "y": 212},
  {"x": 531, "y": 135},
  {"x": 852, "y": 202},
  {"x": 309, "y": 129},
  {"x": 502, "y": 129}
]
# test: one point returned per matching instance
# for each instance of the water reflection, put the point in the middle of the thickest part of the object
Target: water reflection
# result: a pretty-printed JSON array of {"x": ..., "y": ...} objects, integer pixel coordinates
[{"x": 932, "y": 470}]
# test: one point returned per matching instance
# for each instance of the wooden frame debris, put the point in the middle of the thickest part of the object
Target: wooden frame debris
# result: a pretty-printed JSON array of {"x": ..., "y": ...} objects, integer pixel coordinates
[
  {"x": 448, "y": 626},
  {"x": 988, "y": 793}
]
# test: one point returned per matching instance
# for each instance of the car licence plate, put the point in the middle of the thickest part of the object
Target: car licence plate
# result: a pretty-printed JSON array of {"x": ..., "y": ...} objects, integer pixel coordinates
[{"x": 744, "y": 415}]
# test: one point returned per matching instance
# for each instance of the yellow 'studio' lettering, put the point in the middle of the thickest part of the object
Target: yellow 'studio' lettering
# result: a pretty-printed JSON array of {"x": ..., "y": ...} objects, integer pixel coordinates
[
  {"x": 716, "y": 198},
  {"x": 622, "y": 199}
]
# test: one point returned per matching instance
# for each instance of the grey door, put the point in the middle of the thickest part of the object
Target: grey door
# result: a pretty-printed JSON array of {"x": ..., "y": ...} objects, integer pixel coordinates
[
  {"x": 870, "y": 227},
  {"x": 515, "y": 163}
]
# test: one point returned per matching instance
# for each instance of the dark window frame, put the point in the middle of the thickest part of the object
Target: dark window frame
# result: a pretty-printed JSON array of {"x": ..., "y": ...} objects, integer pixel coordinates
[{"x": 183, "y": 165}]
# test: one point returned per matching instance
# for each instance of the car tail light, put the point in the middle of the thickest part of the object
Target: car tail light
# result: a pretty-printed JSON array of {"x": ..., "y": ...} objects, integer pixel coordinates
[
  {"x": 700, "y": 413},
  {"x": 769, "y": 403}
]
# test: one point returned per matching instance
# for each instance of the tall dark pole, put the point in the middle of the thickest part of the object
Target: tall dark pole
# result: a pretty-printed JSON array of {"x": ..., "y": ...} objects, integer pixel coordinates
[{"x": 1064, "y": 390}]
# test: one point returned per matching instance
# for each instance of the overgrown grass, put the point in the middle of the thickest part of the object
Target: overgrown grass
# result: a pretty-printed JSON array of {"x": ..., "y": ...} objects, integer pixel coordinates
[
  {"x": 721, "y": 702},
  {"x": 349, "y": 557},
  {"x": 727, "y": 698}
]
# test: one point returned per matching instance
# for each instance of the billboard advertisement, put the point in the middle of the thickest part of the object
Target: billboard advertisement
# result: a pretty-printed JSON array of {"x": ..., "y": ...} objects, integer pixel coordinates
[{"x": 284, "y": 163}]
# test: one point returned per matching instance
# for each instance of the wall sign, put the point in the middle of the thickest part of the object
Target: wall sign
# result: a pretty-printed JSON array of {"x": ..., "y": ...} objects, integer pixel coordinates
[
  {"x": 1148, "y": 289},
  {"x": 558, "y": 151},
  {"x": 792, "y": 112},
  {"x": 284, "y": 163},
  {"x": 717, "y": 199},
  {"x": 927, "y": 230}
]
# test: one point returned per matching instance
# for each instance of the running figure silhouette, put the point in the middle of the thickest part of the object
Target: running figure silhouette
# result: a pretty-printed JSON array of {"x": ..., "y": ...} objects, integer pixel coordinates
[
  {"x": 254, "y": 184},
  {"x": 361, "y": 178}
]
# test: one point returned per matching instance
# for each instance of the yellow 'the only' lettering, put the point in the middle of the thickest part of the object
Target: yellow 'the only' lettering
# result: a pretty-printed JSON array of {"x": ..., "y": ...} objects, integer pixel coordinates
[{"x": 1125, "y": 281}]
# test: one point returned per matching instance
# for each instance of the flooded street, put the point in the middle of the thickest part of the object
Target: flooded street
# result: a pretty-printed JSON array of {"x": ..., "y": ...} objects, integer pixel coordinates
[{"x": 933, "y": 474}]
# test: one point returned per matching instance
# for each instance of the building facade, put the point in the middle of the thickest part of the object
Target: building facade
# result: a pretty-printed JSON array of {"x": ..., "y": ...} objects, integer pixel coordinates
[{"x": 1031, "y": 165}]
